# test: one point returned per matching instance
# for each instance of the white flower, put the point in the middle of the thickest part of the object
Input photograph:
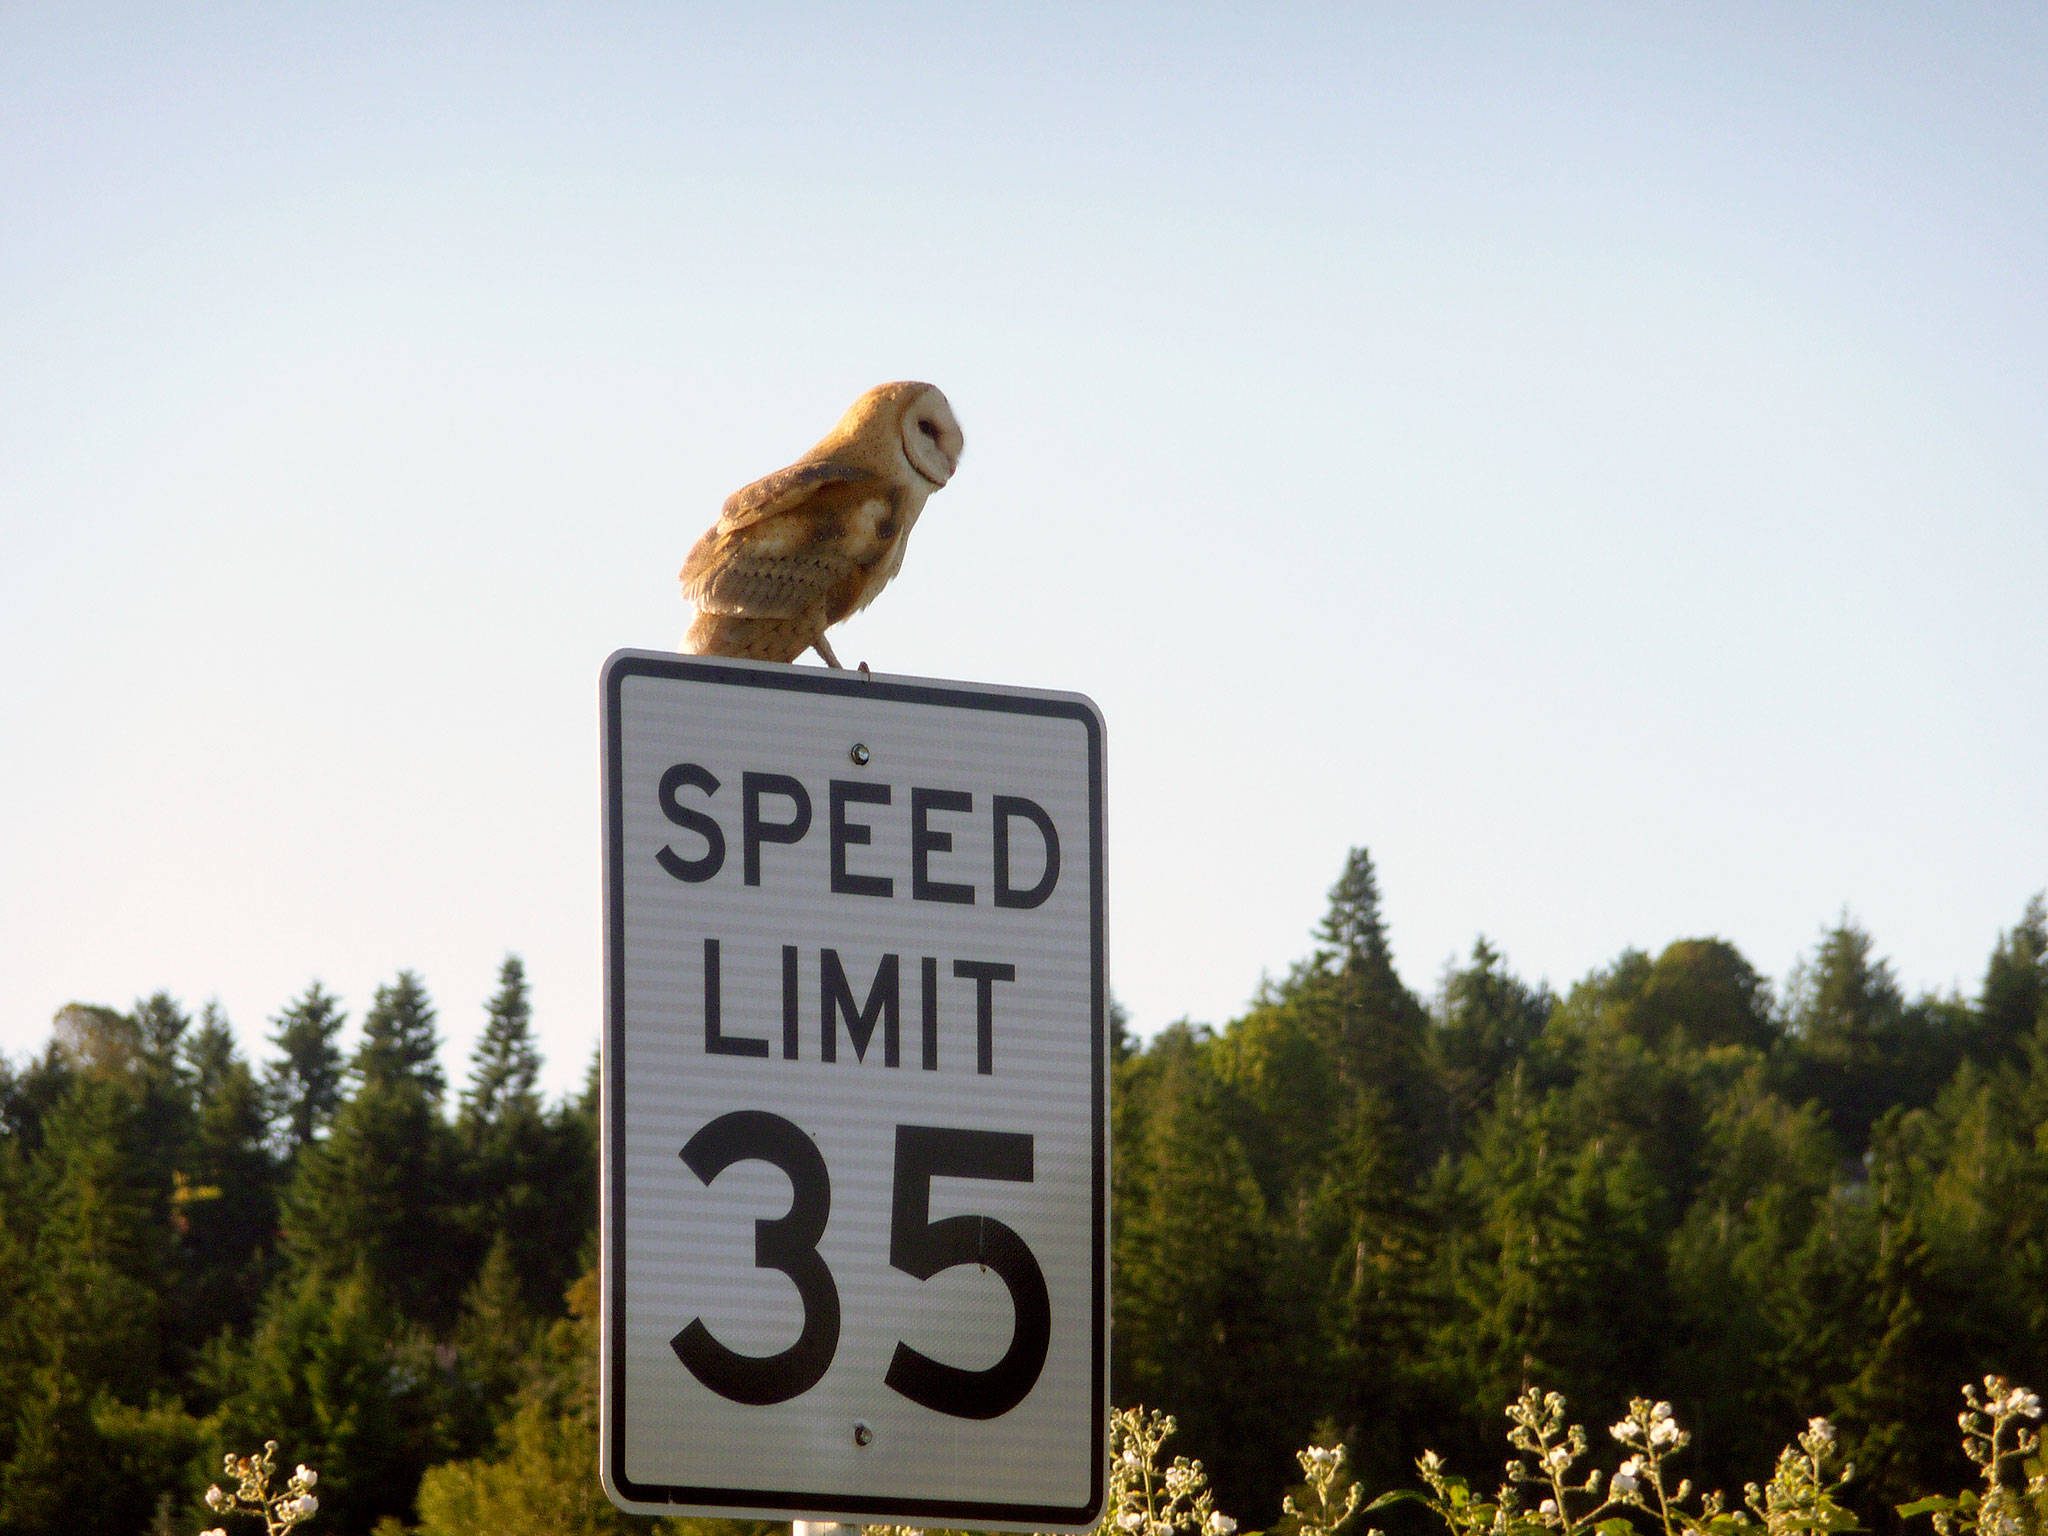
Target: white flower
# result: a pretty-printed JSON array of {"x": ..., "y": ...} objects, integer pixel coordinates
[
  {"x": 1661, "y": 1411},
  {"x": 216, "y": 1531},
  {"x": 1324, "y": 1457},
  {"x": 1663, "y": 1431},
  {"x": 307, "y": 1476},
  {"x": 1624, "y": 1484},
  {"x": 1131, "y": 1520},
  {"x": 1220, "y": 1524},
  {"x": 214, "y": 1497},
  {"x": 1132, "y": 1458},
  {"x": 1548, "y": 1507},
  {"x": 1431, "y": 1461},
  {"x": 1625, "y": 1431},
  {"x": 2024, "y": 1403},
  {"x": 1821, "y": 1430}
]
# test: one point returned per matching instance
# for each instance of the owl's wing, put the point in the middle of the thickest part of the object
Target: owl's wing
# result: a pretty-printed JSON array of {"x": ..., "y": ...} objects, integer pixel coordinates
[
  {"x": 785, "y": 490},
  {"x": 786, "y": 544}
]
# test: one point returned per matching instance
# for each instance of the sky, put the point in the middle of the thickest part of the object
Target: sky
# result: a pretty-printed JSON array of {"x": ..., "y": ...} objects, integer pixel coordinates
[{"x": 1595, "y": 458}]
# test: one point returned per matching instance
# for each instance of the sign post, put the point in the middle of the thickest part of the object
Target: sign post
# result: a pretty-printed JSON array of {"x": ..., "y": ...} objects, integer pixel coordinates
[{"x": 855, "y": 1209}]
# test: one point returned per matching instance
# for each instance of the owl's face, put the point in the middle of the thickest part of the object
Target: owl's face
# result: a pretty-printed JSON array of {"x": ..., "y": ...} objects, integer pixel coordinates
[
  {"x": 931, "y": 437},
  {"x": 905, "y": 431}
]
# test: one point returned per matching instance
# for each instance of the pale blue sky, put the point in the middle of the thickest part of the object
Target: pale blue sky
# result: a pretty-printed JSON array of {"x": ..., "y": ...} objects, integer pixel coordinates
[{"x": 1596, "y": 459}]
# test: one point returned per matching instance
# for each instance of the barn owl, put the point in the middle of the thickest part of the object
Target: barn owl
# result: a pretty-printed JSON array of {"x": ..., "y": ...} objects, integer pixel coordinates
[{"x": 810, "y": 545}]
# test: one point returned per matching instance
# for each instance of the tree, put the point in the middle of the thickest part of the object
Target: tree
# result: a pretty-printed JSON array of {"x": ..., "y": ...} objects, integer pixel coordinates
[
  {"x": 1555, "y": 1275},
  {"x": 1701, "y": 993},
  {"x": 1207, "y": 1324},
  {"x": 1853, "y": 1046},
  {"x": 304, "y": 1082},
  {"x": 1380, "y": 1027},
  {"x": 505, "y": 1065},
  {"x": 224, "y": 1194},
  {"x": 399, "y": 1038},
  {"x": 335, "y": 1374},
  {"x": 2015, "y": 995},
  {"x": 379, "y": 1192},
  {"x": 540, "y": 1476},
  {"x": 84, "y": 1319},
  {"x": 1487, "y": 1020}
]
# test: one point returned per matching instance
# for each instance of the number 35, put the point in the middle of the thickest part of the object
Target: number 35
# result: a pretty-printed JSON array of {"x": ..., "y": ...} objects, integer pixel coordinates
[{"x": 918, "y": 1246}]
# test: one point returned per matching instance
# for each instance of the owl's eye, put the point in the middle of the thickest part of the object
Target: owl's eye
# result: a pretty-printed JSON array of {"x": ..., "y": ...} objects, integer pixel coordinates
[{"x": 929, "y": 428}]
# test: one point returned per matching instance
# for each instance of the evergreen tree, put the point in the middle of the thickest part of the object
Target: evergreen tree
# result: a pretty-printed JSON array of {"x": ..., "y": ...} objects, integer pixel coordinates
[
  {"x": 1761, "y": 1237},
  {"x": 161, "y": 1025},
  {"x": 84, "y": 1319},
  {"x": 1206, "y": 1324},
  {"x": 399, "y": 1038},
  {"x": 539, "y": 1478},
  {"x": 506, "y": 1065},
  {"x": 1854, "y": 1045},
  {"x": 1380, "y": 1027},
  {"x": 2015, "y": 996},
  {"x": 224, "y": 1197},
  {"x": 379, "y": 1192},
  {"x": 333, "y": 1372},
  {"x": 1487, "y": 1020},
  {"x": 1555, "y": 1275},
  {"x": 303, "y": 1083}
]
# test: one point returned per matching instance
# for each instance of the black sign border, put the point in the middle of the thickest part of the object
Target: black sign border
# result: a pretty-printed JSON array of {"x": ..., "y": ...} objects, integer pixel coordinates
[{"x": 767, "y": 1503}]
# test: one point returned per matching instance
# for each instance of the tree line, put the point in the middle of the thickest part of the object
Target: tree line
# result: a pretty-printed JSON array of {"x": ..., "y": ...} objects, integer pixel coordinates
[{"x": 1353, "y": 1213}]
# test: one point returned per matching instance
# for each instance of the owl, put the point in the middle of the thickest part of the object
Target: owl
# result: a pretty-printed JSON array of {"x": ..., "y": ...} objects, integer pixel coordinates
[{"x": 810, "y": 545}]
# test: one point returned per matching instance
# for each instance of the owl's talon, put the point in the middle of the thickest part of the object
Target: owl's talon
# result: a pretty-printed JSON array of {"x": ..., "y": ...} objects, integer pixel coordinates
[{"x": 825, "y": 650}]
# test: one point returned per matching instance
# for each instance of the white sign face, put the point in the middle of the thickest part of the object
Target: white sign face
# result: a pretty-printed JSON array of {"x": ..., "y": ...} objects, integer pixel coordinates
[{"x": 855, "y": 1214}]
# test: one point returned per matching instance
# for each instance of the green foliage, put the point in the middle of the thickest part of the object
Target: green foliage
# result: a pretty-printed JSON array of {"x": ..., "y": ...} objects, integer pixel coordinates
[
  {"x": 1348, "y": 1216},
  {"x": 540, "y": 1476},
  {"x": 303, "y": 1084},
  {"x": 333, "y": 1369},
  {"x": 507, "y": 1065},
  {"x": 400, "y": 1043}
]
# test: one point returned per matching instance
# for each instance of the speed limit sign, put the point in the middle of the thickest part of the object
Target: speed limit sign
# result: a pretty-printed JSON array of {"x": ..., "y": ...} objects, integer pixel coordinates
[{"x": 856, "y": 1206}]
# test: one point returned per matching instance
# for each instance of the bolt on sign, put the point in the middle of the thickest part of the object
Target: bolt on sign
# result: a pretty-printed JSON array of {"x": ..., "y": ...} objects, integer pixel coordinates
[{"x": 856, "y": 1203}]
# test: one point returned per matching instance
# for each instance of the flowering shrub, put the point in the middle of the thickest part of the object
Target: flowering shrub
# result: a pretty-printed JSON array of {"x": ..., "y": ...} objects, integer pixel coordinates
[
  {"x": 1321, "y": 1512},
  {"x": 252, "y": 1496},
  {"x": 1994, "y": 1435}
]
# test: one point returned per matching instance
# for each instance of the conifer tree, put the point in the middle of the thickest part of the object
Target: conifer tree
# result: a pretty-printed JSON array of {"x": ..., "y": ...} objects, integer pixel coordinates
[
  {"x": 381, "y": 1189},
  {"x": 334, "y": 1372},
  {"x": 224, "y": 1196},
  {"x": 1378, "y": 1027},
  {"x": 303, "y": 1083},
  {"x": 399, "y": 1038},
  {"x": 380, "y": 1192},
  {"x": 86, "y": 1317},
  {"x": 505, "y": 1065},
  {"x": 2015, "y": 996},
  {"x": 1847, "y": 1022},
  {"x": 1487, "y": 1020},
  {"x": 1204, "y": 1297}
]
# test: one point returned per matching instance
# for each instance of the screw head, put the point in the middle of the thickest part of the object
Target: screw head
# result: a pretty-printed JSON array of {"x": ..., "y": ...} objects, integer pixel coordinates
[
  {"x": 860, "y": 756},
  {"x": 862, "y": 1435}
]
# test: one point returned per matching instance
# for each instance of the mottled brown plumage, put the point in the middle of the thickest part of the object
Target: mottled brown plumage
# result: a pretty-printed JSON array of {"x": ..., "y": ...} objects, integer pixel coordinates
[{"x": 808, "y": 546}]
